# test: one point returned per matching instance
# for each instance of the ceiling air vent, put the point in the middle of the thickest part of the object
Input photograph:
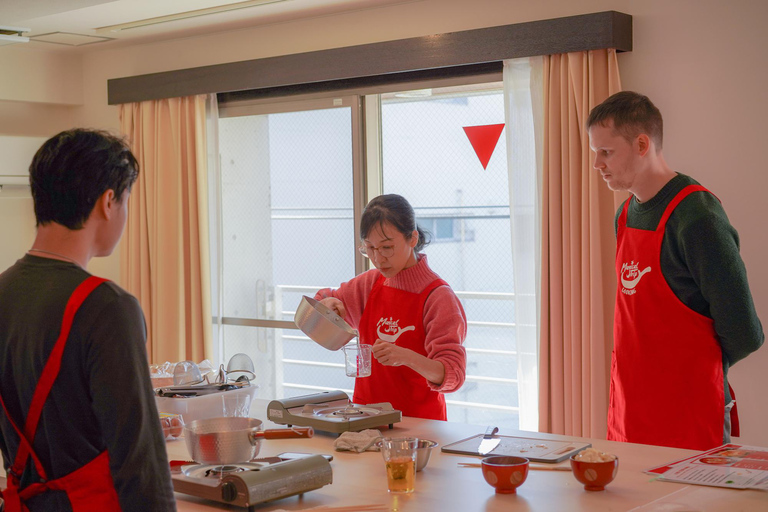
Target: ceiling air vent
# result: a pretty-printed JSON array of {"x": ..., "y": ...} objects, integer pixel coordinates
[
  {"x": 186, "y": 15},
  {"x": 69, "y": 39}
]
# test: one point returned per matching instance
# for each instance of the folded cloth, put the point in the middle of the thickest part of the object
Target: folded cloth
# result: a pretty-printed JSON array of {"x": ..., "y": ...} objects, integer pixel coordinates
[{"x": 357, "y": 441}]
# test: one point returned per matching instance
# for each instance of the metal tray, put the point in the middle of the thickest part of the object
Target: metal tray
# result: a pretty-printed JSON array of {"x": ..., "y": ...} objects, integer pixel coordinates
[{"x": 535, "y": 450}]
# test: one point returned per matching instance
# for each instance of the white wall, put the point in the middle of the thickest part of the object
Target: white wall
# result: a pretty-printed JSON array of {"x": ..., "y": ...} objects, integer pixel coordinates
[
  {"x": 47, "y": 77},
  {"x": 703, "y": 63}
]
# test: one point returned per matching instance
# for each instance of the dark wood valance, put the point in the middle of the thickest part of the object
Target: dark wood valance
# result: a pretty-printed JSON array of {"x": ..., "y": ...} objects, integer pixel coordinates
[{"x": 437, "y": 55}]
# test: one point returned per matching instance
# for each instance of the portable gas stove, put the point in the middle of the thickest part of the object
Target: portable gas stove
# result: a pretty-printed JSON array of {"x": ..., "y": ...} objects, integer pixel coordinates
[
  {"x": 247, "y": 484},
  {"x": 331, "y": 411}
]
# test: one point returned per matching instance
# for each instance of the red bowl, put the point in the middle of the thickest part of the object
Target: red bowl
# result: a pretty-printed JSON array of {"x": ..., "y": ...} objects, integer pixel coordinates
[
  {"x": 595, "y": 475},
  {"x": 504, "y": 473}
]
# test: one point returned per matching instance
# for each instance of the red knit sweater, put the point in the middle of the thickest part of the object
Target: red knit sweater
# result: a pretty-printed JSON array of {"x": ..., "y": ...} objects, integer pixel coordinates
[{"x": 445, "y": 323}]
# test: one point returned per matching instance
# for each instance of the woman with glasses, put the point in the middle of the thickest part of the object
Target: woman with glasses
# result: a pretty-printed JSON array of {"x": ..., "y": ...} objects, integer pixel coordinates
[{"x": 413, "y": 320}]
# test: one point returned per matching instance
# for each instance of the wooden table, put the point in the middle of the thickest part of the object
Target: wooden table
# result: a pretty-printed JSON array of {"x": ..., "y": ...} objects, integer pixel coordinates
[{"x": 443, "y": 486}]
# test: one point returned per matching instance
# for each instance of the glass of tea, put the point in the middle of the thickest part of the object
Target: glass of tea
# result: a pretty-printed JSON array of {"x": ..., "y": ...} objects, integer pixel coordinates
[{"x": 400, "y": 459}]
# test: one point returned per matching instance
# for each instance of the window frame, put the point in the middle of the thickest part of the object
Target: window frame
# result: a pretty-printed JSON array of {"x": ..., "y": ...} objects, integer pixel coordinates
[
  {"x": 367, "y": 161},
  {"x": 294, "y": 105}
]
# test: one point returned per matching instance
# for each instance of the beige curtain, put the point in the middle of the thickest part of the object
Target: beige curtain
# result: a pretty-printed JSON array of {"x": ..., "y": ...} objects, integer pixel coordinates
[
  {"x": 578, "y": 284},
  {"x": 164, "y": 254}
]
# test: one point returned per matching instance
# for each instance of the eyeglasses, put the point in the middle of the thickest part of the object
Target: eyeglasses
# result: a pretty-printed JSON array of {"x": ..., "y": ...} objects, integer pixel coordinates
[{"x": 385, "y": 251}]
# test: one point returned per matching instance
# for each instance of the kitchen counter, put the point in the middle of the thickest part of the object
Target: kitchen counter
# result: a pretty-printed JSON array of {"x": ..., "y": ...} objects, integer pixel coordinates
[{"x": 443, "y": 486}]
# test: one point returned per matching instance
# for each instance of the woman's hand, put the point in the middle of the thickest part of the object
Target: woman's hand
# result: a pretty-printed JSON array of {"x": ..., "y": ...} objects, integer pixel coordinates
[
  {"x": 390, "y": 354},
  {"x": 334, "y": 304}
]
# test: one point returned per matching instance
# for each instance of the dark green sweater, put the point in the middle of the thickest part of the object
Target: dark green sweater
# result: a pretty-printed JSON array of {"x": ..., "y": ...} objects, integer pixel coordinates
[{"x": 700, "y": 261}]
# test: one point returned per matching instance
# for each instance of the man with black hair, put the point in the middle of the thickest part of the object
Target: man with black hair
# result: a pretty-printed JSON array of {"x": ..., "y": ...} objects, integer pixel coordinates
[
  {"x": 684, "y": 313},
  {"x": 79, "y": 429}
]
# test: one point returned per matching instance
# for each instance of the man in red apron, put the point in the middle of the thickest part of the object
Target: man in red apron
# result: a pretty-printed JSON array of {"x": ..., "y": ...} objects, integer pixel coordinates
[
  {"x": 684, "y": 313},
  {"x": 79, "y": 428},
  {"x": 87, "y": 488}
]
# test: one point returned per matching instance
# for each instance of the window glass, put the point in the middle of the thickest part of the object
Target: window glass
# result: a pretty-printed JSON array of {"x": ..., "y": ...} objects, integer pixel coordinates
[
  {"x": 428, "y": 158},
  {"x": 287, "y": 229}
]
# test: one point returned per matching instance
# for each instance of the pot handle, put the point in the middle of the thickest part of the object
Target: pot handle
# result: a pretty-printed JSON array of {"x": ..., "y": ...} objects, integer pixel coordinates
[{"x": 286, "y": 433}]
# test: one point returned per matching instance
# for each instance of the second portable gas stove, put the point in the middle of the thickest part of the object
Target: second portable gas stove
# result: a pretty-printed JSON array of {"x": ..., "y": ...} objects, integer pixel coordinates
[
  {"x": 251, "y": 483},
  {"x": 331, "y": 411}
]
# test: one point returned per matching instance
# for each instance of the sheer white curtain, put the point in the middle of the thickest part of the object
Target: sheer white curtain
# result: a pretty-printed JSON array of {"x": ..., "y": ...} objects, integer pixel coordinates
[
  {"x": 524, "y": 117},
  {"x": 214, "y": 220}
]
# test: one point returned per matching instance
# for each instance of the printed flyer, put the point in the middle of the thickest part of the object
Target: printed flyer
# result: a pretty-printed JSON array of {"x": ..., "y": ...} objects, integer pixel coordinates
[{"x": 731, "y": 465}]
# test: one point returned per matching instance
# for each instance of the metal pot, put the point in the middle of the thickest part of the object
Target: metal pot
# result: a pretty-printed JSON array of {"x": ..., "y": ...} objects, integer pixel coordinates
[
  {"x": 223, "y": 440},
  {"x": 322, "y": 324}
]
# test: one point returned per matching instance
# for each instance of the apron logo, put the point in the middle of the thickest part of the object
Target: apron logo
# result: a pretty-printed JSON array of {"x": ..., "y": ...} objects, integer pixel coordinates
[
  {"x": 630, "y": 276},
  {"x": 391, "y": 331}
]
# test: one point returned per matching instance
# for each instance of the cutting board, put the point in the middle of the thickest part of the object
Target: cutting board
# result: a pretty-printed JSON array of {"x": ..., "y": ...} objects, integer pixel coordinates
[{"x": 535, "y": 450}]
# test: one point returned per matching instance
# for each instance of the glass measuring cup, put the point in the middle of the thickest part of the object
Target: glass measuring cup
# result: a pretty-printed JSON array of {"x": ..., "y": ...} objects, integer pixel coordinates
[{"x": 357, "y": 360}]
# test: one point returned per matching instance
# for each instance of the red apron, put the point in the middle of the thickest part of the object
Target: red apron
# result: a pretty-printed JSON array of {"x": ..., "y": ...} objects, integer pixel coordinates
[
  {"x": 399, "y": 316},
  {"x": 667, "y": 366},
  {"x": 89, "y": 488}
]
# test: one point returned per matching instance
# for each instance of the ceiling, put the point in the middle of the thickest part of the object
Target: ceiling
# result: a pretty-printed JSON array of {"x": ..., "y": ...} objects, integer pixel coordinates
[{"x": 78, "y": 25}]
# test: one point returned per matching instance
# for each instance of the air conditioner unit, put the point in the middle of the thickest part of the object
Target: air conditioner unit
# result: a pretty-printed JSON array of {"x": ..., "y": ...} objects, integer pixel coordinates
[
  {"x": 12, "y": 35},
  {"x": 17, "y": 154}
]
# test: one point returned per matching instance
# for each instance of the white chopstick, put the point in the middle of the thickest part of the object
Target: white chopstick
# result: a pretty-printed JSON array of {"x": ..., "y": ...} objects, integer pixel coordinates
[
  {"x": 351, "y": 508},
  {"x": 530, "y": 466},
  {"x": 346, "y": 508}
]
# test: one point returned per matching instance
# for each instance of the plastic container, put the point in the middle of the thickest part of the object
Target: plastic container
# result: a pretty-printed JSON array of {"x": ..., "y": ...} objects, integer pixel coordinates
[
  {"x": 161, "y": 374},
  {"x": 200, "y": 407},
  {"x": 172, "y": 424}
]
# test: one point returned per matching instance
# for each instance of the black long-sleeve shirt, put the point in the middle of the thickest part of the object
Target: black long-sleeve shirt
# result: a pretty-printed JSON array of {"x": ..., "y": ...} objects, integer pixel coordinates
[
  {"x": 102, "y": 398},
  {"x": 701, "y": 263}
]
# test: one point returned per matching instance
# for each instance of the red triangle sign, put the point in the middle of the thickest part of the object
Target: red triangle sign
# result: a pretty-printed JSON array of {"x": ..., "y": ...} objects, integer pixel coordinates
[{"x": 483, "y": 140}]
